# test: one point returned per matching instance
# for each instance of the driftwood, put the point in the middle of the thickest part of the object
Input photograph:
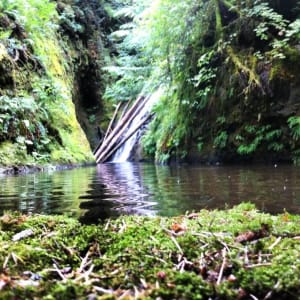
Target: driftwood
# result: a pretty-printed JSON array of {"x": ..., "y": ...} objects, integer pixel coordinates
[
  {"x": 120, "y": 129},
  {"x": 112, "y": 141}
]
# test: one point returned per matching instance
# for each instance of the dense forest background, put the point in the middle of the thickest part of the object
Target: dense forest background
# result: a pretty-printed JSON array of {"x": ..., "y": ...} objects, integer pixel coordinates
[{"x": 229, "y": 70}]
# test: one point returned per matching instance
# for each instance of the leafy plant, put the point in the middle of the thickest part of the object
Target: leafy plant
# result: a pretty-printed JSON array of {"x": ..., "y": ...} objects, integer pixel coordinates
[
  {"x": 294, "y": 125},
  {"x": 255, "y": 135},
  {"x": 129, "y": 69},
  {"x": 272, "y": 27},
  {"x": 203, "y": 80},
  {"x": 221, "y": 140},
  {"x": 21, "y": 120}
]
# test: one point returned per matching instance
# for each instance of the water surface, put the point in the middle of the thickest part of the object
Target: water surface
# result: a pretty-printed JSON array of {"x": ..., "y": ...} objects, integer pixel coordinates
[{"x": 109, "y": 190}]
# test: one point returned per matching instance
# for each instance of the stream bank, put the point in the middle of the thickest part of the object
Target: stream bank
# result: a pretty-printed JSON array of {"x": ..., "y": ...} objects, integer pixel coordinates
[{"x": 238, "y": 253}]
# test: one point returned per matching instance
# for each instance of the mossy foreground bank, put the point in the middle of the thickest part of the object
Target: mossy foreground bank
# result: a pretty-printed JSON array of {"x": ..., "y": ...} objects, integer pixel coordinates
[{"x": 234, "y": 254}]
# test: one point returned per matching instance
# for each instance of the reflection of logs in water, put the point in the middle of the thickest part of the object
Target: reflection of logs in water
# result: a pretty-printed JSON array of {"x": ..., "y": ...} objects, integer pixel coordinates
[
  {"x": 113, "y": 189},
  {"x": 121, "y": 191}
]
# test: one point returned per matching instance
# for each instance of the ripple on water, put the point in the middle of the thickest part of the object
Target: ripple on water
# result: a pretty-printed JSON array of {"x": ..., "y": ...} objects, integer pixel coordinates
[{"x": 109, "y": 190}]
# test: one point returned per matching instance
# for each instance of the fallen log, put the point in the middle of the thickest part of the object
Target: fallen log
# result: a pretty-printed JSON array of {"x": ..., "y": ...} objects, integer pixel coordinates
[
  {"x": 109, "y": 126},
  {"x": 120, "y": 128},
  {"x": 109, "y": 129},
  {"x": 128, "y": 136},
  {"x": 124, "y": 109},
  {"x": 116, "y": 129}
]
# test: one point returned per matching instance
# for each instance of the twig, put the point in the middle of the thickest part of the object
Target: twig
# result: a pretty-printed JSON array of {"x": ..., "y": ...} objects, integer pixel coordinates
[
  {"x": 157, "y": 258},
  {"x": 176, "y": 244},
  {"x": 23, "y": 234},
  {"x": 246, "y": 259},
  {"x": 154, "y": 239},
  {"x": 157, "y": 285},
  {"x": 124, "y": 295},
  {"x": 144, "y": 283},
  {"x": 215, "y": 234},
  {"x": 259, "y": 259},
  {"x": 115, "y": 272},
  {"x": 123, "y": 227},
  {"x": 183, "y": 263},
  {"x": 107, "y": 225},
  {"x": 86, "y": 274},
  {"x": 181, "y": 266},
  {"x": 201, "y": 264},
  {"x": 258, "y": 265},
  {"x": 14, "y": 257},
  {"x": 222, "y": 267},
  {"x": 102, "y": 290},
  {"x": 269, "y": 295},
  {"x": 275, "y": 243},
  {"x": 59, "y": 273},
  {"x": 136, "y": 293},
  {"x": 225, "y": 245},
  {"x": 83, "y": 262},
  {"x": 6, "y": 261}
]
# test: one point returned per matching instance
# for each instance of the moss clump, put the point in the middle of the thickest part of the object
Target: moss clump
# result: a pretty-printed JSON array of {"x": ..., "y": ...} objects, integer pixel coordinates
[
  {"x": 12, "y": 154},
  {"x": 234, "y": 254}
]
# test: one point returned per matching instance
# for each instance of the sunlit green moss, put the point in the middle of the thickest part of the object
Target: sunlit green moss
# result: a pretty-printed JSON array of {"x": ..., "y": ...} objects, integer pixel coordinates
[
  {"x": 43, "y": 75},
  {"x": 203, "y": 255}
]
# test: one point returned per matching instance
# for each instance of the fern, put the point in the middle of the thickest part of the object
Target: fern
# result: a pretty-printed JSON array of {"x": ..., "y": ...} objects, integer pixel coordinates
[{"x": 294, "y": 125}]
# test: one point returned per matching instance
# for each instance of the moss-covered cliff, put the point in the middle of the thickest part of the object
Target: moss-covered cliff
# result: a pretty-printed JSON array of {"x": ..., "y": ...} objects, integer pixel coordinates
[
  {"x": 230, "y": 71},
  {"x": 51, "y": 54}
]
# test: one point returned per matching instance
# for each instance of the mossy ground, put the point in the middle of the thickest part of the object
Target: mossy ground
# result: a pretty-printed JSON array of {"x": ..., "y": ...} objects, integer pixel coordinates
[{"x": 234, "y": 254}]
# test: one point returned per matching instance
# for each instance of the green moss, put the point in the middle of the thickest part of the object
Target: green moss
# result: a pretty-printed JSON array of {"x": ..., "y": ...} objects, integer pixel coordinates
[
  {"x": 286, "y": 69},
  {"x": 150, "y": 258},
  {"x": 13, "y": 154},
  {"x": 45, "y": 74}
]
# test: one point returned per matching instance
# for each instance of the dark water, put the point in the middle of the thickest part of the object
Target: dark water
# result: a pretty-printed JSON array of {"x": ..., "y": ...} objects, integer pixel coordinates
[{"x": 113, "y": 189}]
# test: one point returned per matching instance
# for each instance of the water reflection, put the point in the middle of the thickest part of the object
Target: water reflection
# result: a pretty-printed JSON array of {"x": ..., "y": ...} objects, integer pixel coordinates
[
  {"x": 50, "y": 193},
  {"x": 112, "y": 189},
  {"x": 117, "y": 189}
]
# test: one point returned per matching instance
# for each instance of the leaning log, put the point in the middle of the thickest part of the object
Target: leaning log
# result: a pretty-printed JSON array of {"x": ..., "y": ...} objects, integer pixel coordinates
[
  {"x": 124, "y": 110},
  {"x": 115, "y": 130},
  {"x": 112, "y": 120},
  {"x": 128, "y": 136},
  {"x": 109, "y": 126},
  {"x": 120, "y": 128}
]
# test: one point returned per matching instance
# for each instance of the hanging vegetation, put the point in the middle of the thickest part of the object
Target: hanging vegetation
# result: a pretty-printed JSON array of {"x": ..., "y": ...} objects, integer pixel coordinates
[{"x": 228, "y": 65}]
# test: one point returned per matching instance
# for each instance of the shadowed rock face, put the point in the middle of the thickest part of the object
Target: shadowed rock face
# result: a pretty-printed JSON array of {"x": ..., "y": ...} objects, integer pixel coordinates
[{"x": 88, "y": 44}]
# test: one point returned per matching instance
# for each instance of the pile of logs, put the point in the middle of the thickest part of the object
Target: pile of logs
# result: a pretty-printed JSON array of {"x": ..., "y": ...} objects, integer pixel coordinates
[{"x": 116, "y": 135}]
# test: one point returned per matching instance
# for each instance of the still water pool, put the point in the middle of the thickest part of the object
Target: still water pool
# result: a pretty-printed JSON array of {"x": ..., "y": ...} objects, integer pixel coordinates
[{"x": 110, "y": 190}]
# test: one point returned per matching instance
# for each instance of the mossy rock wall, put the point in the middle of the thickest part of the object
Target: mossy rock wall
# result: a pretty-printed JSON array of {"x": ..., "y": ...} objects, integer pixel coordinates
[
  {"x": 54, "y": 64},
  {"x": 234, "y": 96},
  {"x": 257, "y": 117}
]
